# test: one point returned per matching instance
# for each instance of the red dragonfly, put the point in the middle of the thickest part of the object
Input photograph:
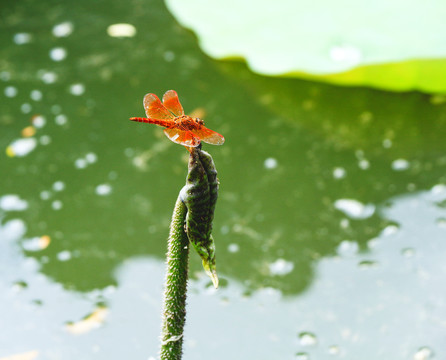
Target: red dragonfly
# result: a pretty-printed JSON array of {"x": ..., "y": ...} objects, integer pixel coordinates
[{"x": 181, "y": 129}]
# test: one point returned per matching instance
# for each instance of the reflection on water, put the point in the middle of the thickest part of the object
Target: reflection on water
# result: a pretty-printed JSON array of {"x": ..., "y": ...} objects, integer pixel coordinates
[
  {"x": 304, "y": 228},
  {"x": 393, "y": 307}
]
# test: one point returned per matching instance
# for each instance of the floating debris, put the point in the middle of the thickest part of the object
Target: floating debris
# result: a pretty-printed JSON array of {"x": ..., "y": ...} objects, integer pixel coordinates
[
  {"x": 355, "y": 209},
  {"x": 90, "y": 322},
  {"x": 121, "y": 30}
]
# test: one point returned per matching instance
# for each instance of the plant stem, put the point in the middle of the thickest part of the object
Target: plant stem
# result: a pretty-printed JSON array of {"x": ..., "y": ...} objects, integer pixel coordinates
[{"x": 174, "y": 309}]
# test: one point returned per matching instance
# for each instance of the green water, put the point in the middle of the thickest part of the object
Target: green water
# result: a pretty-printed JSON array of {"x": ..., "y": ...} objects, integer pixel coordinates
[{"x": 329, "y": 227}]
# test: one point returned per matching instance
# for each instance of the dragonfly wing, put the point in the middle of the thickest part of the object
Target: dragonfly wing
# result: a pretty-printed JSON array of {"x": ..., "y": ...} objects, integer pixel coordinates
[
  {"x": 155, "y": 109},
  {"x": 172, "y": 103},
  {"x": 182, "y": 137},
  {"x": 209, "y": 136}
]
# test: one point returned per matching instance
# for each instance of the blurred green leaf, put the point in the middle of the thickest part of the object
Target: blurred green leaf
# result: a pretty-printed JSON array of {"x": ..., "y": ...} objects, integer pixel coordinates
[{"x": 397, "y": 46}]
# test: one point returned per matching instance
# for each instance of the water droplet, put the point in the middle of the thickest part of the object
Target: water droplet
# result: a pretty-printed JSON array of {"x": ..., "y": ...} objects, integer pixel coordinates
[
  {"x": 390, "y": 230},
  {"x": 45, "y": 195},
  {"x": 339, "y": 173},
  {"x": 26, "y": 108},
  {"x": 233, "y": 248},
  {"x": 77, "y": 89},
  {"x": 364, "y": 164},
  {"x": 10, "y": 91},
  {"x": 59, "y": 186},
  {"x": 63, "y": 29},
  {"x": 368, "y": 264},
  {"x": 64, "y": 255},
  {"x": 61, "y": 119},
  {"x": 57, "y": 205},
  {"x": 387, "y": 143},
  {"x": 355, "y": 209},
  {"x": 48, "y": 77},
  {"x": 281, "y": 267},
  {"x": 36, "y": 95},
  {"x": 408, "y": 252},
  {"x": 91, "y": 158},
  {"x": 58, "y": 54},
  {"x": 302, "y": 356},
  {"x": 103, "y": 189},
  {"x": 270, "y": 163},
  {"x": 169, "y": 56},
  {"x": 307, "y": 339},
  {"x": 12, "y": 202},
  {"x": 334, "y": 350},
  {"x": 347, "y": 248},
  {"x": 80, "y": 163},
  {"x": 38, "y": 121},
  {"x": 438, "y": 189},
  {"x": 423, "y": 353},
  {"x": 22, "y": 38},
  {"x": 441, "y": 222},
  {"x": 45, "y": 139},
  {"x": 400, "y": 164},
  {"x": 121, "y": 30}
]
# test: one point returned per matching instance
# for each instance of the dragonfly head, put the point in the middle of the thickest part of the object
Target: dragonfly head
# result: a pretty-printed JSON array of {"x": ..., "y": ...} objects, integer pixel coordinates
[{"x": 199, "y": 121}]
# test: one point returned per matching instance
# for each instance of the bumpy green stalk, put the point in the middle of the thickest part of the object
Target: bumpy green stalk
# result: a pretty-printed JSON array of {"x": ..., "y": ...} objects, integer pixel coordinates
[
  {"x": 174, "y": 309},
  {"x": 191, "y": 223}
]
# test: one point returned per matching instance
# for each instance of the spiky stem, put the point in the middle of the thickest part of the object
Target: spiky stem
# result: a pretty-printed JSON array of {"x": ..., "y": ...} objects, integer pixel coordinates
[{"x": 174, "y": 309}]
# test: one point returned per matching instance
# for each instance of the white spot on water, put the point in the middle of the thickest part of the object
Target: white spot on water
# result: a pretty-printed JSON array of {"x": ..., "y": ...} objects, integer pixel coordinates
[
  {"x": 339, "y": 173},
  {"x": 22, "y": 38},
  {"x": 22, "y": 147},
  {"x": 10, "y": 91},
  {"x": 45, "y": 195},
  {"x": 64, "y": 255},
  {"x": 354, "y": 209},
  {"x": 233, "y": 248},
  {"x": 334, "y": 350},
  {"x": 36, "y": 95},
  {"x": 169, "y": 56},
  {"x": 63, "y": 29},
  {"x": 121, "y": 30},
  {"x": 38, "y": 121},
  {"x": 390, "y": 230},
  {"x": 80, "y": 163},
  {"x": 438, "y": 189},
  {"x": 307, "y": 339},
  {"x": 270, "y": 163},
  {"x": 364, "y": 164},
  {"x": 91, "y": 158},
  {"x": 58, "y": 54},
  {"x": 281, "y": 267},
  {"x": 26, "y": 108},
  {"x": 45, "y": 139},
  {"x": 423, "y": 353},
  {"x": 103, "y": 189},
  {"x": 57, "y": 205},
  {"x": 61, "y": 119},
  {"x": 59, "y": 186},
  {"x": 387, "y": 143},
  {"x": 400, "y": 164},
  {"x": 77, "y": 89},
  {"x": 48, "y": 77},
  {"x": 12, "y": 202}
]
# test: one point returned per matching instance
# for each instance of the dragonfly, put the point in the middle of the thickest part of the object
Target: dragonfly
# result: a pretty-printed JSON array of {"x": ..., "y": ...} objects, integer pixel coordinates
[{"x": 179, "y": 128}]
